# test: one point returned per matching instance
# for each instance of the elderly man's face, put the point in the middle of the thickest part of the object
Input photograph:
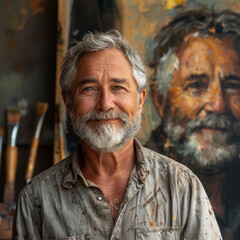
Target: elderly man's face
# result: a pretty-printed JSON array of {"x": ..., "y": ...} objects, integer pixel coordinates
[
  {"x": 105, "y": 105},
  {"x": 204, "y": 102}
]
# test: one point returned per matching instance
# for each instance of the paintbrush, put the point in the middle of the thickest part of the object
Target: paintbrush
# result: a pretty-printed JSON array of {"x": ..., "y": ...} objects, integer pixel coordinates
[
  {"x": 1, "y": 143},
  {"x": 61, "y": 140},
  {"x": 59, "y": 137},
  {"x": 60, "y": 133},
  {"x": 40, "y": 111},
  {"x": 13, "y": 122}
]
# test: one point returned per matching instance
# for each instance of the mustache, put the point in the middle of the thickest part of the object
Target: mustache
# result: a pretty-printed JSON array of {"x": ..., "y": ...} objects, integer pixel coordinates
[
  {"x": 221, "y": 122},
  {"x": 109, "y": 115}
]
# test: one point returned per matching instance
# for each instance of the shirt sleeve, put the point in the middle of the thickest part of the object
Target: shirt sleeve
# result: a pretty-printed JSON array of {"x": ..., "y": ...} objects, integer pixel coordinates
[
  {"x": 198, "y": 219},
  {"x": 26, "y": 224}
]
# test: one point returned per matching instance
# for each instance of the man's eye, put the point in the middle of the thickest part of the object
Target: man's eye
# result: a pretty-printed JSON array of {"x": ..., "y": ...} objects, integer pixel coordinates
[
  {"x": 118, "y": 88},
  {"x": 232, "y": 87},
  {"x": 196, "y": 87},
  {"x": 88, "y": 90}
]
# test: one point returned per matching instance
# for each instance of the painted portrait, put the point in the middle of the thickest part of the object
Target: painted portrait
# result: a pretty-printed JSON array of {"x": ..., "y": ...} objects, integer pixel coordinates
[{"x": 195, "y": 89}]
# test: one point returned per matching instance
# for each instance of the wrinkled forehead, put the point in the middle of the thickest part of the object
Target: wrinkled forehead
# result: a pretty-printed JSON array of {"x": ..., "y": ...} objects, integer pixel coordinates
[{"x": 209, "y": 50}]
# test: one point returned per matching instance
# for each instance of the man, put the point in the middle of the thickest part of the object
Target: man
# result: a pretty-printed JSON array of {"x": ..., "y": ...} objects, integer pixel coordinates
[
  {"x": 196, "y": 92},
  {"x": 112, "y": 187}
]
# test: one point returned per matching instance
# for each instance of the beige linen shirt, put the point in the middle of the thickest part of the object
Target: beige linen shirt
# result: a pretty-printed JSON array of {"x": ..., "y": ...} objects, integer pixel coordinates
[{"x": 163, "y": 200}]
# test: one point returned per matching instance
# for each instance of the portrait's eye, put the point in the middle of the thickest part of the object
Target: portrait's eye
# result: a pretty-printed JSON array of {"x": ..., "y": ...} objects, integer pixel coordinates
[
  {"x": 232, "y": 87},
  {"x": 196, "y": 83},
  {"x": 196, "y": 87}
]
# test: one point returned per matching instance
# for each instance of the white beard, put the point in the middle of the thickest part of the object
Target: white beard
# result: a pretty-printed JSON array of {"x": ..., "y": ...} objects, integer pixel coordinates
[
  {"x": 217, "y": 152},
  {"x": 107, "y": 137}
]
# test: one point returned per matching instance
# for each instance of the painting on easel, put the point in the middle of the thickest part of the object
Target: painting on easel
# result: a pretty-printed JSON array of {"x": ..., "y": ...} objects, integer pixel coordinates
[
  {"x": 192, "y": 50},
  {"x": 196, "y": 91}
]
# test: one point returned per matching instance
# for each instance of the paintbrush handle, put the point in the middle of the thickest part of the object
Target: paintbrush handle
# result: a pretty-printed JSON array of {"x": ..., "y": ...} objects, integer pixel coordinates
[
  {"x": 61, "y": 145},
  {"x": 0, "y": 162},
  {"x": 11, "y": 169},
  {"x": 32, "y": 158},
  {"x": 11, "y": 164},
  {"x": 1, "y": 143}
]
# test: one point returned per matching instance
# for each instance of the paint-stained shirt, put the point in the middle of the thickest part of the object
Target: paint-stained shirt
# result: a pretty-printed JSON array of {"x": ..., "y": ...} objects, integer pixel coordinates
[{"x": 163, "y": 200}]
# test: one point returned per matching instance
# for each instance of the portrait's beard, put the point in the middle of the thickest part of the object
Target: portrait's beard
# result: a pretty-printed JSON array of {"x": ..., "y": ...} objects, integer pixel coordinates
[
  {"x": 106, "y": 137},
  {"x": 206, "y": 151}
]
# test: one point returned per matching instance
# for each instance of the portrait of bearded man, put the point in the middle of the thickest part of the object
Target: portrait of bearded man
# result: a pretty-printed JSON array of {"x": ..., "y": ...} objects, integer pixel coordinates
[{"x": 195, "y": 88}]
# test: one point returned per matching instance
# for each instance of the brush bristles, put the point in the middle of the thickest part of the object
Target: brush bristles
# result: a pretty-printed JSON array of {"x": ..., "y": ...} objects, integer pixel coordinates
[
  {"x": 13, "y": 115},
  {"x": 1, "y": 131},
  {"x": 42, "y": 108}
]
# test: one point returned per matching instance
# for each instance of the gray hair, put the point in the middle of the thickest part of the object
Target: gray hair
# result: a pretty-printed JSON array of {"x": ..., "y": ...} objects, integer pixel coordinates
[
  {"x": 199, "y": 22},
  {"x": 95, "y": 42}
]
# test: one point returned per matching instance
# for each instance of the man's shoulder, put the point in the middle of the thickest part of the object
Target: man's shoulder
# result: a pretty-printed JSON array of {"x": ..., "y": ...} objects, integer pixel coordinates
[
  {"x": 49, "y": 178},
  {"x": 57, "y": 170},
  {"x": 159, "y": 162}
]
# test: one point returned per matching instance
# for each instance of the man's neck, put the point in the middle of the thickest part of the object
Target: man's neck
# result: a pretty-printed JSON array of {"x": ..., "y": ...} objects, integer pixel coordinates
[
  {"x": 110, "y": 172},
  {"x": 104, "y": 164}
]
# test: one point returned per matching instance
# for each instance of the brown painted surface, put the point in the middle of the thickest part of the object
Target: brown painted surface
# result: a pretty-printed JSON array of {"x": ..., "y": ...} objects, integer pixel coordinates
[
  {"x": 201, "y": 82},
  {"x": 27, "y": 72}
]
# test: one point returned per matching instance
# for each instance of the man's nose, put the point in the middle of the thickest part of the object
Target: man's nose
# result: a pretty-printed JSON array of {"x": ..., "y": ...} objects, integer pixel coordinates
[
  {"x": 215, "y": 100},
  {"x": 105, "y": 101}
]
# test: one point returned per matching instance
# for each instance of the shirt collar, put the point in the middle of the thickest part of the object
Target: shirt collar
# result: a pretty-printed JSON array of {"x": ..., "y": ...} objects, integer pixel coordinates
[{"x": 73, "y": 169}]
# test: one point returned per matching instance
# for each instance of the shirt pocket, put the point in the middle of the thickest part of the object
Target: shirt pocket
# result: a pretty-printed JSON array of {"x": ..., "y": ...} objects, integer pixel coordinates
[
  {"x": 86, "y": 236},
  {"x": 156, "y": 233}
]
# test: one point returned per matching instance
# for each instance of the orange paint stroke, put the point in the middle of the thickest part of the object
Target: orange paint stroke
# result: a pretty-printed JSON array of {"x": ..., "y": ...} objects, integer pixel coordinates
[
  {"x": 170, "y": 4},
  {"x": 15, "y": 21},
  {"x": 38, "y": 6},
  {"x": 153, "y": 224}
]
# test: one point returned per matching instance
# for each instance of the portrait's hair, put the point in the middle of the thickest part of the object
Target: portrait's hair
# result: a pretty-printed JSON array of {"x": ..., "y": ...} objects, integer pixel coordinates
[
  {"x": 96, "y": 42},
  {"x": 198, "y": 22}
]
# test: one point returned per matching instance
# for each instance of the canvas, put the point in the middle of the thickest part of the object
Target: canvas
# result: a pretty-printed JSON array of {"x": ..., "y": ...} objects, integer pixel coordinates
[{"x": 193, "y": 110}]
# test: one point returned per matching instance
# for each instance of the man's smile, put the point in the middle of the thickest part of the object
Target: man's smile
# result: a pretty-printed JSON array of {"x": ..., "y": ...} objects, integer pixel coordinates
[
  {"x": 99, "y": 122},
  {"x": 105, "y": 120}
]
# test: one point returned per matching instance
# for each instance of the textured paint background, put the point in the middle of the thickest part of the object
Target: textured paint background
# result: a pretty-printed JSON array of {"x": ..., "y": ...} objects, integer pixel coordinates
[
  {"x": 27, "y": 60},
  {"x": 27, "y": 75},
  {"x": 140, "y": 21}
]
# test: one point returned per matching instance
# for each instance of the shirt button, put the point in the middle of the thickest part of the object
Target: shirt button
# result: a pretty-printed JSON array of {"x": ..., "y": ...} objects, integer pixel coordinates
[{"x": 99, "y": 198}]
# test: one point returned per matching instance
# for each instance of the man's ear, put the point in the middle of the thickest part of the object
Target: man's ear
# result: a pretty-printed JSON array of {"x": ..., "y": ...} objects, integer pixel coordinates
[
  {"x": 66, "y": 101},
  {"x": 159, "y": 101},
  {"x": 142, "y": 98}
]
